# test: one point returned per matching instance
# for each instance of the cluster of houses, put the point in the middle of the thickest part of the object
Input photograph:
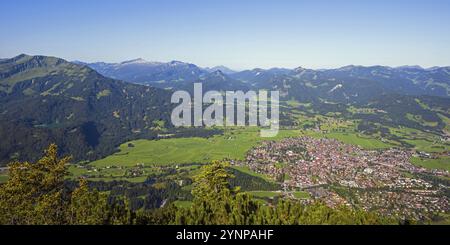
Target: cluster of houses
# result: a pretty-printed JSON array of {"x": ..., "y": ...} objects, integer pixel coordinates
[
  {"x": 383, "y": 179},
  {"x": 409, "y": 204}
]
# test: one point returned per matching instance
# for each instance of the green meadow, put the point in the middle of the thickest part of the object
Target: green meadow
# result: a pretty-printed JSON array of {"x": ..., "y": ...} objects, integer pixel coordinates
[
  {"x": 232, "y": 145},
  {"x": 422, "y": 141},
  {"x": 301, "y": 194},
  {"x": 264, "y": 194},
  {"x": 357, "y": 139},
  {"x": 439, "y": 163},
  {"x": 248, "y": 171},
  {"x": 353, "y": 138}
]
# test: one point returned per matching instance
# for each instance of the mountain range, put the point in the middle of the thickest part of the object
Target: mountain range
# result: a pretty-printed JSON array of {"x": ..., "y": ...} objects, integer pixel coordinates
[
  {"x": 344, "y": 84},
  {"x": 89, "y": 109},
  {"x": 47, "y": 99}
]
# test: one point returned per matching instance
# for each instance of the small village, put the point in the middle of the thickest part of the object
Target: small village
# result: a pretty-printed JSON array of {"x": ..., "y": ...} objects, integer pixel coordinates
[{"x": 339, "y": 173}]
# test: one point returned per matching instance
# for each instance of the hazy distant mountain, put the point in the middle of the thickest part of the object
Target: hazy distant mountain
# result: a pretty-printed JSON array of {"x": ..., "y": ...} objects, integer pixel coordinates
[
  {"x": 46, "y": 99},
  {"x": 219, "y": 81},
  {"x": 410, "y": 67},
  {"x": 348, "y": 84},
  {"x": 411, "y": 80},
  {"x": 172, "y": 75},
  {"x": 223, "y": 69},
  {"x": 351, "y": 83},
  {"x": 150, "y": 73},
  {"x": 344, "y": 84},
  {"x": 260, "y": 77}
]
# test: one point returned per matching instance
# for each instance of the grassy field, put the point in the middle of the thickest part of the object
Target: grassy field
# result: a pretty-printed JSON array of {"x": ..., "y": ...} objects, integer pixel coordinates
[
  {"x": 301, "y": 194},
  {"x": 248, "y": 171},
  {"x": 356, "y": 139},
  {"x": 365, "y": 142},
  {"x": 440, "y": 163},
  {"x": 264, "y": 194},
  {"x": 428, "y": 146},
  {"x": 232, "y": 145},
  {"x": 422, "y": 141}
]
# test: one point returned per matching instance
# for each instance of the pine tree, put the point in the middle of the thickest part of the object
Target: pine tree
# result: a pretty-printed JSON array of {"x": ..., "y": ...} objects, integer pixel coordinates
[
  {"x": 88, "y": 207},
  {"x": 212, "y": 196},
  {"x": 33, "y": 193}
]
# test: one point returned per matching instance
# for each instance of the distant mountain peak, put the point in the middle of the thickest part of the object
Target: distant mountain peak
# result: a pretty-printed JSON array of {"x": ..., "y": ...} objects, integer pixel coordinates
[
  {"x": 78, "y": 62},
  {"x": 258, "y": 69},
  {"x": 416, "y": 67},
  {"x": 222, "y": 68},
  {"x": 134, "y": 61},
  {"x": 176, "y": 62},
  {"x": 299, "y": 69},
  {"x": 433, "y": 68},
  {"x": 347, "y": 68},
  {"x": 22, "y": 56},
  {"x": 218, "y": 74}
]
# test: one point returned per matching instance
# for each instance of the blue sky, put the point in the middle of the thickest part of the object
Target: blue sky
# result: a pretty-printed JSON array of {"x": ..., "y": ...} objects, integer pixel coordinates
[{"x": 239, "y": 34}]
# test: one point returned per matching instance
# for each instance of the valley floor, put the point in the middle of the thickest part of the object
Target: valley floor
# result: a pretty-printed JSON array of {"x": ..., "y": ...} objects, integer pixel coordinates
[{"x": 412, "y": 186}]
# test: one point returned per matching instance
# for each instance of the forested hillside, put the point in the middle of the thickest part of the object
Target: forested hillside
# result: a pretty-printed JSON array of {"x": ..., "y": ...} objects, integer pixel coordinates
[{"x": 47, "y": 99}]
